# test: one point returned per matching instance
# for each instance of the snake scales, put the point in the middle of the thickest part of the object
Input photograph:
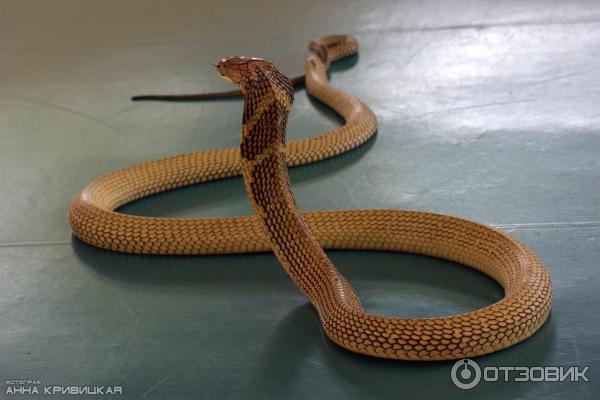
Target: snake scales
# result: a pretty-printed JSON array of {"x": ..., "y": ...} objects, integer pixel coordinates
[{"x": 298, "y": 238}]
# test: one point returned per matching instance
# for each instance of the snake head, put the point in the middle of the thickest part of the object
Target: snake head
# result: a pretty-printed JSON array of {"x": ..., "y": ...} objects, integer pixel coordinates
[{"x": 238, "y": 69}]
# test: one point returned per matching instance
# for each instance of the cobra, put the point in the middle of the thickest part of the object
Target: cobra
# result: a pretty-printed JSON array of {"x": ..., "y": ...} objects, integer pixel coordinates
[{"x": 298, "y": 239}]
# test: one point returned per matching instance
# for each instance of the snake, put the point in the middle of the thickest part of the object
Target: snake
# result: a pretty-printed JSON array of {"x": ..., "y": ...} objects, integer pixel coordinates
[{"x": 298, "y": 239}]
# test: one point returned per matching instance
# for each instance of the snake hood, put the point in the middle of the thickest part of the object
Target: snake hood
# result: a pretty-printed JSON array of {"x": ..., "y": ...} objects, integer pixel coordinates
[{"x": 268, "y": 97}]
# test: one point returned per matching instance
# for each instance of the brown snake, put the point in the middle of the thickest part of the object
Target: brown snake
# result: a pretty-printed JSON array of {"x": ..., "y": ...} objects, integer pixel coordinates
[{"x": 298, "y": 238}]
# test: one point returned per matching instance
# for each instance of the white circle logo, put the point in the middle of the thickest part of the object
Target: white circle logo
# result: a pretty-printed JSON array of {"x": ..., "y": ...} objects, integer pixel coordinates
[{"x": 465, "y": 374}]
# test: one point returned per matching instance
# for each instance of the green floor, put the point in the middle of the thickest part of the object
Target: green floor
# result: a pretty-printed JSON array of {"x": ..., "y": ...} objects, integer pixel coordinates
[{"x": 487, "y": 109}]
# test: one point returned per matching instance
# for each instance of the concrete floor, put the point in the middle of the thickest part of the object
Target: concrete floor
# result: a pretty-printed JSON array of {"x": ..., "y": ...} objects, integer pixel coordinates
[{"x": 488, "y": 110}]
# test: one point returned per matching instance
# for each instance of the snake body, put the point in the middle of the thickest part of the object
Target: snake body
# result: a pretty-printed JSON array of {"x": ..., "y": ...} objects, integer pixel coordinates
[{"x": 298, "y": 239}]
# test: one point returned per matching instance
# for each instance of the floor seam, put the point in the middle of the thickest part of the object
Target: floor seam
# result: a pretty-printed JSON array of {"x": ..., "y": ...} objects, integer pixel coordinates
[
  {"x": 542, "y": 225},
  {"x": 35, "y": 243}
]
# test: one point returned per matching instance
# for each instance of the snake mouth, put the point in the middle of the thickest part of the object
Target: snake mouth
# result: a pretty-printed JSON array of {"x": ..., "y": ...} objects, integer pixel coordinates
[{"x": 228, "y": 79}]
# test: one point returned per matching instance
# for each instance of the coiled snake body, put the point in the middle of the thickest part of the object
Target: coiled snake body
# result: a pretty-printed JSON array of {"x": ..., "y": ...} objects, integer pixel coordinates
[{"x": 298, "y": 238}]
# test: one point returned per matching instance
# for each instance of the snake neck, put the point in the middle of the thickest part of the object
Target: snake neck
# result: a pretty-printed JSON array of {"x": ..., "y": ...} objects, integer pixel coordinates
[
  {"x": 268, "y": 97},
  {"x": 267, "y": 103}
]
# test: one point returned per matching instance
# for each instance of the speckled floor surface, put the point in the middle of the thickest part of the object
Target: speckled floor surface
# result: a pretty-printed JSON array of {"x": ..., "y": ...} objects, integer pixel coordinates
[{"x": 487, "y": 109}]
